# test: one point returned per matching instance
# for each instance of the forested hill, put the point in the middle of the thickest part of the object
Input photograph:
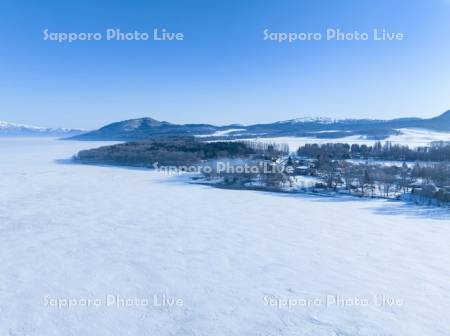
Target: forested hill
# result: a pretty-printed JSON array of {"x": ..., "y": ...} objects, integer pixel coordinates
[{"x": 165, "y": 151}]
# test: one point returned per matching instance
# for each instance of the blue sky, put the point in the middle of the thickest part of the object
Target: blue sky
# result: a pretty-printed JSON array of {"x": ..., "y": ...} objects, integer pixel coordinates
[{"x": 223, "y": 72}]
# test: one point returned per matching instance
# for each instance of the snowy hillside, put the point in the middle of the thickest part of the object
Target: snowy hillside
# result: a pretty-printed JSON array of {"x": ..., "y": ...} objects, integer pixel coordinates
[
  {"x": 208, "y": 261},
  {"x": 408, "y": 137}
]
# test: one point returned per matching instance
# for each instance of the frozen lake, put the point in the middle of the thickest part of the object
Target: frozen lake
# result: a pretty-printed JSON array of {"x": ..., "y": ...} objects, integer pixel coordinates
[{"x": 194, "y": 260}]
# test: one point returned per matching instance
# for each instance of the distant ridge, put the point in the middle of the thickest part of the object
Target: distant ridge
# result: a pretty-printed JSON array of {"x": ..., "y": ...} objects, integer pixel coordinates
[
  {"x": 13, "y": 129},
  {"x": 143, "y": 128}
]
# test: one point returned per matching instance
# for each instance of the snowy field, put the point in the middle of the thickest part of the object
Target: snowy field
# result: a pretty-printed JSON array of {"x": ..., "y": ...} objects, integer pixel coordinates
[
  {"x": 408, "y": 137},
  {"x": 224, "y": 262}
]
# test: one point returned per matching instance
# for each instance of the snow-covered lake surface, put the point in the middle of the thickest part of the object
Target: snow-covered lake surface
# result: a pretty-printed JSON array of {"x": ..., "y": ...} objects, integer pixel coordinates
[{"x": 89, "y": 233}]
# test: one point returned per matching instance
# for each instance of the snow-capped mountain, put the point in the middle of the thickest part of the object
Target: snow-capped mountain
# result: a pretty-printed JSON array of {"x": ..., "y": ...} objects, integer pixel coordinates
[
  {"x": 13, "y": 129},
  {"x": 320, "y": 120}
]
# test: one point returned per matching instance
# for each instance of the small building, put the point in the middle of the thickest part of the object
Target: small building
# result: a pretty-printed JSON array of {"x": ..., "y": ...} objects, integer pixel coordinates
[{"x": 302, "y": 170}]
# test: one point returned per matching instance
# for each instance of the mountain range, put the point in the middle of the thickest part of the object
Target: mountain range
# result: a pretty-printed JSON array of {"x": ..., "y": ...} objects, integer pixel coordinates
[
  {"x": 12, "y": 129},
  {"x": 143, "y": 128},
  {"x": 322, "y": 128}
]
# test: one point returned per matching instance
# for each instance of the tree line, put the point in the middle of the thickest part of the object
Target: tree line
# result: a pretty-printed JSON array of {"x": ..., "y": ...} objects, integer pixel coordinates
[{"x": 437, "y": 152}]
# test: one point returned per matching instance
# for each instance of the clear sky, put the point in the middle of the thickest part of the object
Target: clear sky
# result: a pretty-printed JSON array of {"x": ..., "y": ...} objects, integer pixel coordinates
[{"x": 223, "y": 72}]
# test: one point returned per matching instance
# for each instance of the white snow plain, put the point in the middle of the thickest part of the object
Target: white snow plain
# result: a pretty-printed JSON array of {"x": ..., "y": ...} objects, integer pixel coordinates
[
  {"x": 408, "y": 137},
  {"x": 80, "y": 232}
]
